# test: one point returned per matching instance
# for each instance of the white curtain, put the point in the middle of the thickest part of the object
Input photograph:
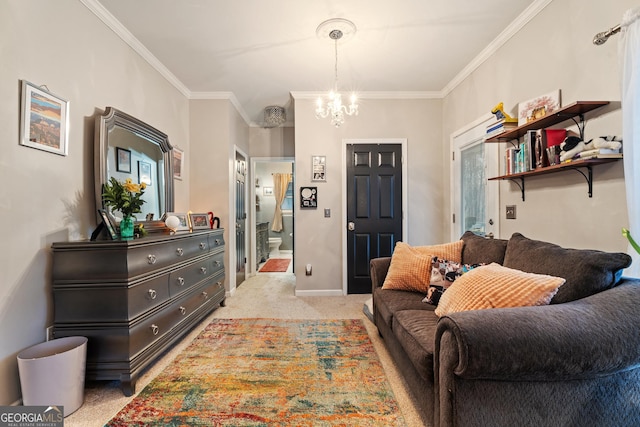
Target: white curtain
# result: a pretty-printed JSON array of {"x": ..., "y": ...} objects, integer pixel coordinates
[
  {"x": 630, "y": 64},
  {"x": 280, "y": 184}
]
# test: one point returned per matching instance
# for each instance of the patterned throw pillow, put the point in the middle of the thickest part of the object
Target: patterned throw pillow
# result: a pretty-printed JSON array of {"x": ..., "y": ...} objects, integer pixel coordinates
[
  {"x": 443, "y": 274},
  {"x": 495, "y": 286},
  {"x": 410, "y": 268}
]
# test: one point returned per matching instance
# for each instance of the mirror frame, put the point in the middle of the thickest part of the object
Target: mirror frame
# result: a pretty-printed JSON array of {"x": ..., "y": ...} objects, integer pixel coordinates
[{"x": 112, "y": 118}]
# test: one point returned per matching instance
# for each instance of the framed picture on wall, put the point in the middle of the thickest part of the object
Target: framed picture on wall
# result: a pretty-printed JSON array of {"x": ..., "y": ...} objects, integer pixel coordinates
[
  {"x": 178, "y": 162},
  {"x": 44, "y": 120},
  {"x": 308, "y": 197},
  {"x": 144, "y": 172},
  {"x": 123, "y": 160},
  {"x": 318, "y": 168}
]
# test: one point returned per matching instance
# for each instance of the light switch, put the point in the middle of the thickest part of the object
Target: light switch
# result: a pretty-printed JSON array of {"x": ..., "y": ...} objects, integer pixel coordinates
[
  {"x": 327, "y": 213},
  {"x": 511, "y": 211}
]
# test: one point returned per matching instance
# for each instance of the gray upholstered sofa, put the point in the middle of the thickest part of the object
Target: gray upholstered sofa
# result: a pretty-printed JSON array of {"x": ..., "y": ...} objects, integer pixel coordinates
[{"x": 575, "y": 362}]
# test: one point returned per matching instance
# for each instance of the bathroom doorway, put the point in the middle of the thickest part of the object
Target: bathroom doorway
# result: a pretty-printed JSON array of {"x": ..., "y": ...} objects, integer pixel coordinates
[{"x": 273, "y": 215}]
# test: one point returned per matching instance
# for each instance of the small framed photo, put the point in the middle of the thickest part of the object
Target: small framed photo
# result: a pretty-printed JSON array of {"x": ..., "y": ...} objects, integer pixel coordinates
[
  {"x": 318, "y": 168},
  {"x": 267, "y": 191},
  {"x": 108, "y": 224},
  {"x": 308, "y": 197},
  {"x": 199, "y": 221},
  {"x": 123, "y": 160},
  {"x": 178, "y": 163},
  {"x": 44, "y": 120},
  {"x": 144, "y": 172},
  {"x": 184, "y": 220}
]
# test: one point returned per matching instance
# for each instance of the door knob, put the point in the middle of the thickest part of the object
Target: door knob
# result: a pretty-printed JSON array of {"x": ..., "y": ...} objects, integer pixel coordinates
[{"x": 351, "y": 226}]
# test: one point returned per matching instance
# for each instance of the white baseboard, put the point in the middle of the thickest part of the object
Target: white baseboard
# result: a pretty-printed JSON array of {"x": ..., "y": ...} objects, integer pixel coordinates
[{"x": 319, "y": 293}]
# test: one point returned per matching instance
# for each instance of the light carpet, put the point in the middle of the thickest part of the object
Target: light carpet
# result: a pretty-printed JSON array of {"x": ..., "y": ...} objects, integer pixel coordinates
[{"x": 263, "y": 372}]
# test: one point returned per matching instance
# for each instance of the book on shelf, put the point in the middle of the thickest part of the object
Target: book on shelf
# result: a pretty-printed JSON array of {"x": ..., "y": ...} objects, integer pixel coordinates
[
  {"x": 588, "y": 153},
  {"x": 530, "y": 142},
  {"x": 599, "y": 156},
  {"x": 498, "y": 127}
]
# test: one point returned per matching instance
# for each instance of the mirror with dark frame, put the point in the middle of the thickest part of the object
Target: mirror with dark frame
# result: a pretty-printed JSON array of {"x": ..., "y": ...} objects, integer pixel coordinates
[{"x": 126, "y": 147}]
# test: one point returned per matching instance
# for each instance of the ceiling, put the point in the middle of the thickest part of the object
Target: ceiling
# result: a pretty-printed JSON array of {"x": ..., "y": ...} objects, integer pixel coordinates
[{"x": 257, "y": 52}]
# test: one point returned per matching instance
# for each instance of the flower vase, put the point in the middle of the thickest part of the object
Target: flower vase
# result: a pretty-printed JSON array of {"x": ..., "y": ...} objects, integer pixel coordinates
[{"x": 126, "y": 227}]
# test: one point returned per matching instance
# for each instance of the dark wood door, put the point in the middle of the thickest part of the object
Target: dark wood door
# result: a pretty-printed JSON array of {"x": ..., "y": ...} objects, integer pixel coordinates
[
  {"x": 241, "y": 217},
  {"x": 374, "y": 208}
]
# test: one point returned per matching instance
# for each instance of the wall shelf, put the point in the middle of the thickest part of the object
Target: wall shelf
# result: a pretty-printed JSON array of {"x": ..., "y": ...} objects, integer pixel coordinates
[
  {"x": 576, "y": 165},
  {"x": 576, "y": 109}
]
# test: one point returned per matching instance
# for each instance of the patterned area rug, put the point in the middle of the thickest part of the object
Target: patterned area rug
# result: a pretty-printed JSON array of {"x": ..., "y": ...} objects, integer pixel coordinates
[
  {"x": 275, "y": 265},
  {"x": 270, "y": 372}
]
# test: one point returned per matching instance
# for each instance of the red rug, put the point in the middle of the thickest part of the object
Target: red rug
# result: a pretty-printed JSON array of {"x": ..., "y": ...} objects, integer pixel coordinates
[{"x": 275, "y": 265}]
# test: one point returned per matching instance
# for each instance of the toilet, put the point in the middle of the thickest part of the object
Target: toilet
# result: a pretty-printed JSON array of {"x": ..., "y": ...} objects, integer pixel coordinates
[{"x": 274, "y": 246}]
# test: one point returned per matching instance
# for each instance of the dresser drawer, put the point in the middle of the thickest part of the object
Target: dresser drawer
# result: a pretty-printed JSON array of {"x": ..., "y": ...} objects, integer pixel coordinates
[
  {"x": 152, "y": 257},
  {"x": 210, "y": 292},
  {"x": 116, "y": 301},
  {"x": 217, "y": 262},
  {"x": 189, "y": 275},
  {"x": 216, "y": 240}
]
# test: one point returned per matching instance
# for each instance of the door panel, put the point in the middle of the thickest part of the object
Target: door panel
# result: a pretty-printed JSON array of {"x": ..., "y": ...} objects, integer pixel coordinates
[
  {"x": 374, "y": 208},
  {"x": 241, "y": 216}
]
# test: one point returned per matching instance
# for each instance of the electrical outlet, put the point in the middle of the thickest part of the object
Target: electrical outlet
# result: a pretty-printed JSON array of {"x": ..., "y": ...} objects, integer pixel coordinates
[
  {"x": 49, "y": 333},
  {"x": 511, "y": 211}
]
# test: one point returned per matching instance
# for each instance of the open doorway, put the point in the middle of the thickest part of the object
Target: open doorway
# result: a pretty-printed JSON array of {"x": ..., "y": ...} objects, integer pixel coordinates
[{"x": 273, "y": 217}]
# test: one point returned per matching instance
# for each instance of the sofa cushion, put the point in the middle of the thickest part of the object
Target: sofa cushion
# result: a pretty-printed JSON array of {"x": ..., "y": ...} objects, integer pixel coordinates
[
  {"x": 443, "y": 274},
  {"x": 410, "y": 268},
  {"x": 586, "y": 271},
  {"x": 478, "y": 250},
  {"x": 495, "y": 286},
  {"x": 415, "y": 330},
  {"x": 387, "y": 302}
]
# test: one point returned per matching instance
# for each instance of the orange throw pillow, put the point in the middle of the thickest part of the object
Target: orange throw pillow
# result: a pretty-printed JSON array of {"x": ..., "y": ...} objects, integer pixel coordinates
[
  {"x": 495, "y": 286},
  {"x": 410, "y": 268}
]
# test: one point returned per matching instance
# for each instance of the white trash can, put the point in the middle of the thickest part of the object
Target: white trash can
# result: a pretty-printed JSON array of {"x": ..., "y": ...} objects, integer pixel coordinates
[{"x": 52, "y": 373}]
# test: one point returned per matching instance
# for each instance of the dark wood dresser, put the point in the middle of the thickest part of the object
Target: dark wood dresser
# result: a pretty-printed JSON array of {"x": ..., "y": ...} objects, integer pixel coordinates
[{"x": 134, "y": 298}]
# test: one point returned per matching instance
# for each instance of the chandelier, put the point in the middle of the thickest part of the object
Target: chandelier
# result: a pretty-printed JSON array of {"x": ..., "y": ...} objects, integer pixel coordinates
[
  {"x": 332, "y": 106},
  {"x": 274, "y": 116}
]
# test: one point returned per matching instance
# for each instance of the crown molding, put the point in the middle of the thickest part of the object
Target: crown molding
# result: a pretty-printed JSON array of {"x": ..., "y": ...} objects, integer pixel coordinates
[
  {"x": 516, "y": 25},
  {"x": 116, "y": 26}
]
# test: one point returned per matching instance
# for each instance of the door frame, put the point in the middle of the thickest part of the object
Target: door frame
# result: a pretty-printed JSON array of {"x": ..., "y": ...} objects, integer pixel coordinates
[
  {"x": 469, "y": 135},
  {"x": 252, "y": 198},
  {"x": 343, "y": 221}
]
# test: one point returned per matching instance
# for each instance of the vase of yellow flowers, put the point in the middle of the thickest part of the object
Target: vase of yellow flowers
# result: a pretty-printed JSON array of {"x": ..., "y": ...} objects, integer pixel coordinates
[{"x": 124, "y": 197}]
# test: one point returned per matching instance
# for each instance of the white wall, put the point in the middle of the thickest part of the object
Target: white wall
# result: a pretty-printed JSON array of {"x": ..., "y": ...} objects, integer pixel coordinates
[
  {"x": 45, "y": 197},
  {"x": 555, "y": 50},
  {"x": 318, "y": 240}
]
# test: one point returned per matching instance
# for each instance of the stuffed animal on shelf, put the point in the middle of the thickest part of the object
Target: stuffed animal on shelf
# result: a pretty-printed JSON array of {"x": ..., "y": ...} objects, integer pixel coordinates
[{"x": 573, "y": 145}]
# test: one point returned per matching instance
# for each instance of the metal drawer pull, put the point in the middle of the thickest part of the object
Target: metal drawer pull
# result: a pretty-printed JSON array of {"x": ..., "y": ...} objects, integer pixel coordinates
[
  {"x": 203, "y": 270},
  {"x": 181, "y": 281},
  {"x": 219, "y": 283},
  {"x": 217, "y": 242},
  {"x": 155, "y": 329},
  {"x": 205, "y": 295},
  {"x": 218, "y": 264},
  {"x": 179, "y": 252},
  {"x": 183, "y": 310},
  {"x": 151, "y": 259},
  {"x": 152, "y": 293},
  {"x": 203, "y": 246}
]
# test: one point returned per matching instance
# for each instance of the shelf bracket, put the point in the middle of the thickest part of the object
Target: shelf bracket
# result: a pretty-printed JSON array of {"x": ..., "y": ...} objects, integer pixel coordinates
[
  {"x": 519, "y": 184},
  {"x": 588, "y": 177}
]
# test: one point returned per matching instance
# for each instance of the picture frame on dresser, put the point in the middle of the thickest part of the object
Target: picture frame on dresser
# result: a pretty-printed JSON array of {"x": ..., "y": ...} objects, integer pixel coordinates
[
  {"x": 44, "y": 120},
  {"x": 199, "y": 221},
  {"x": 184, "y": 220}
]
